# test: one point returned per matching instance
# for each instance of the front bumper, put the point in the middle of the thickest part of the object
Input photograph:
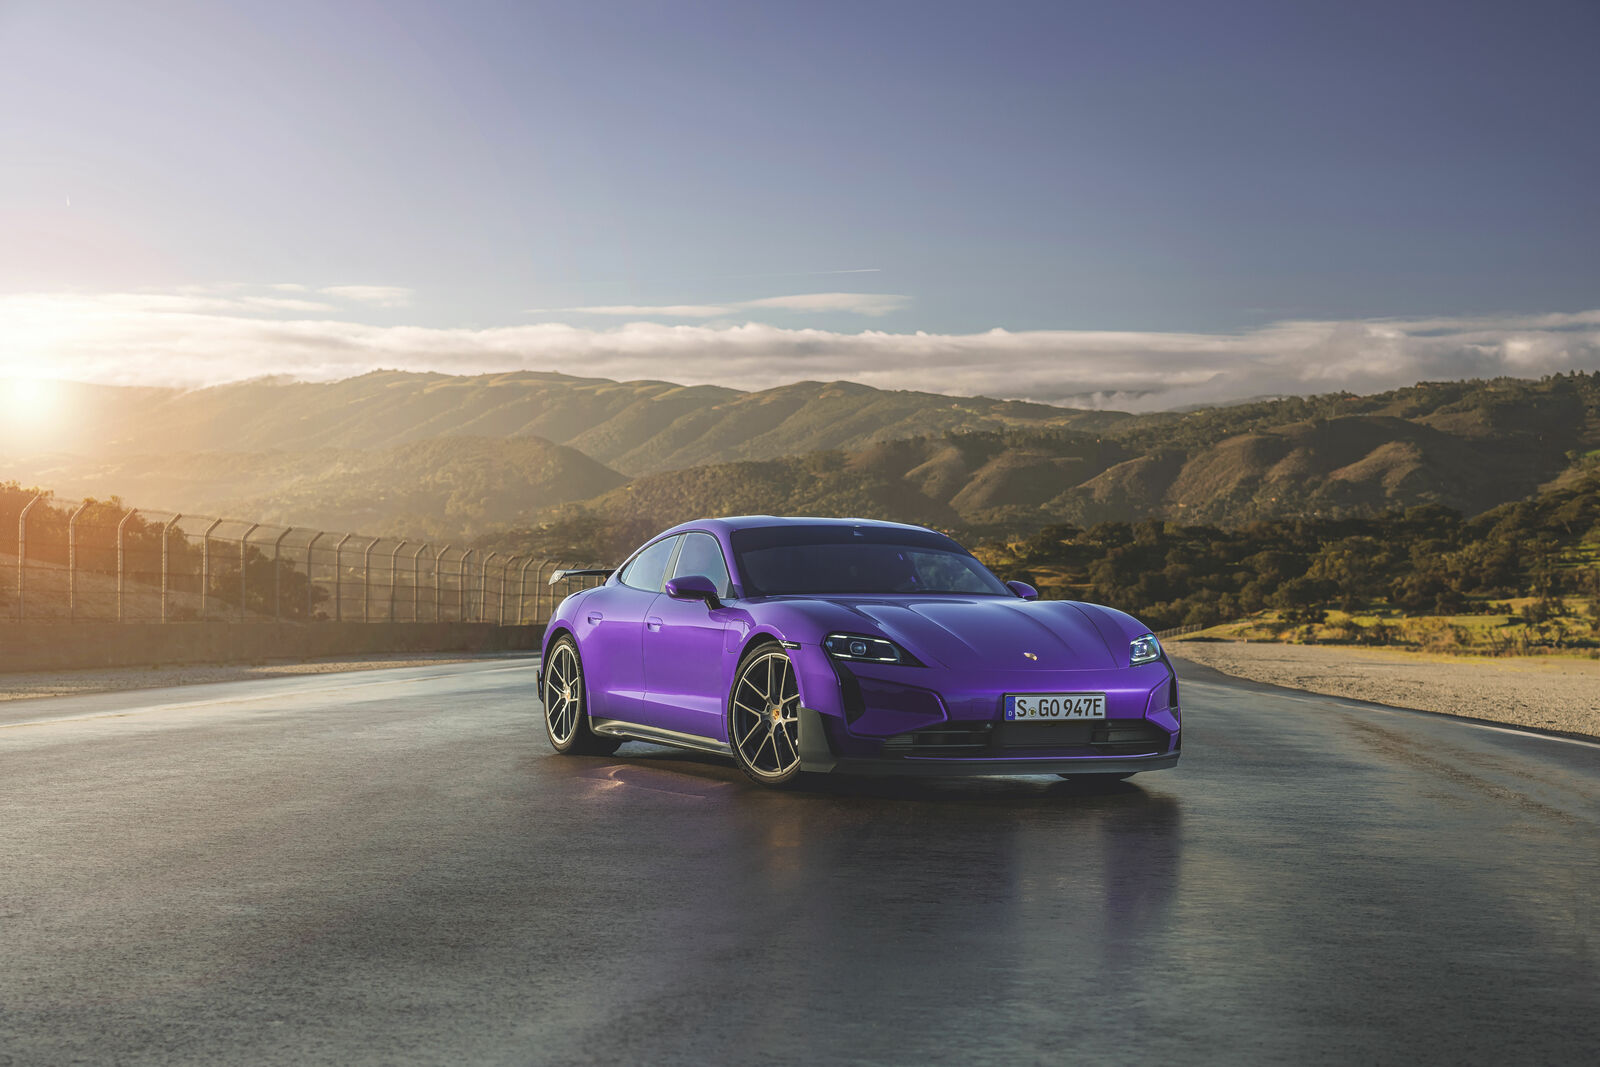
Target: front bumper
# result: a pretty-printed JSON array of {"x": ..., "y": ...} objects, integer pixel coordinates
[{"x": 926, "y": 721}]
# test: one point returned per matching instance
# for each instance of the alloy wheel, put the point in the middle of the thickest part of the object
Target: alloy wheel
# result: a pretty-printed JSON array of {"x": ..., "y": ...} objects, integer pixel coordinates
[
  {"x": 764, "y": 717},
  {"x": 563, "y": 695}
]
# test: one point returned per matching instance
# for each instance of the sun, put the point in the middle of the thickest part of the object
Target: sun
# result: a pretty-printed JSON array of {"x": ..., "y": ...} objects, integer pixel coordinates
[{"x": 29, "y": 401}]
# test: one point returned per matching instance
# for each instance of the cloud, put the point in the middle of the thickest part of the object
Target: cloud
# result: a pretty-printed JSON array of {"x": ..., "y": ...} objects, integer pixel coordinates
[
  {"x": 666, "y": 311},
  {"x": 274, "y": 303},
  {"x": 384, "y": 296},
  {"x": 192, "y": 339},
  {"x": 856, "y": 303}
]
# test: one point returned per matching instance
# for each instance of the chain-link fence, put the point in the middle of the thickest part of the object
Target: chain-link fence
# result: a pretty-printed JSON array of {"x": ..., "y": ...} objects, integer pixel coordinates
[{"x": 99, "y": 560}]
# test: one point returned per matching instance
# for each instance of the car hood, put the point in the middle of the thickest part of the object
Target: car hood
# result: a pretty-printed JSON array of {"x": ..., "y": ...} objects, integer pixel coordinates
[{"x": 987, "y": 632}]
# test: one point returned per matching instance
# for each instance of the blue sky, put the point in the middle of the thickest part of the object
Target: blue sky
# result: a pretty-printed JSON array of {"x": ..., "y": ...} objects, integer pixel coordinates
[{"x": 1065, "y": 171}]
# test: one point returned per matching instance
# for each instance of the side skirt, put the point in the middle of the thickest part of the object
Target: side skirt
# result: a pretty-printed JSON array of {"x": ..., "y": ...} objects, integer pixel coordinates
[{"x": 655, "y": 735}]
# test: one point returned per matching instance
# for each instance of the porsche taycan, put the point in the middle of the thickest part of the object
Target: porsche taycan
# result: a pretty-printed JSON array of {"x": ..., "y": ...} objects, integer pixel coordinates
[{"x": 796, "y": 645}]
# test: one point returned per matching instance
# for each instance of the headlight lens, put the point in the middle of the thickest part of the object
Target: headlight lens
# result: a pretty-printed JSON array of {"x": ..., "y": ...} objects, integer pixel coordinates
[
  {"x": 1143, "y": 650},
  {"x": 863, "y": 649}
]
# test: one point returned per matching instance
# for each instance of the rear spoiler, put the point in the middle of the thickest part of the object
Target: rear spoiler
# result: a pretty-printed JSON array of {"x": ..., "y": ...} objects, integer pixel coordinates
[{"x": 596, "y": 572}]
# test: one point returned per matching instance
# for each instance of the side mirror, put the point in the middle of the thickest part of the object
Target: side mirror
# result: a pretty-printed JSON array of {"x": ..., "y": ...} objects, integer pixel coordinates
[
  {"x": 1023, "y": 590},
  {"x": 693, "y": 587}
]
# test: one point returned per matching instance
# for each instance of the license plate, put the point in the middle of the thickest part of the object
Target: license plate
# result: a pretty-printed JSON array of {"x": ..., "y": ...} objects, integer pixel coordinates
[{"x": 1051, "y": 707}]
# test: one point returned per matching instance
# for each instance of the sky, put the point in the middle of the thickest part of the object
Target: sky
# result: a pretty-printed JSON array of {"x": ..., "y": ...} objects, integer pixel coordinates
[{"x": 1141, "y": 204}]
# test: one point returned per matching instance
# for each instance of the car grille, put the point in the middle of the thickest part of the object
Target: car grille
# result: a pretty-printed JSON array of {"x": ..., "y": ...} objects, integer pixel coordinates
[{"x": 1129, "y": 737}]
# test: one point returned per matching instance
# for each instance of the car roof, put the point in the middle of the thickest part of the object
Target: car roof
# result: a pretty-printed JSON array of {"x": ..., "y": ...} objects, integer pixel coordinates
[{"x": 730, "y": 523}]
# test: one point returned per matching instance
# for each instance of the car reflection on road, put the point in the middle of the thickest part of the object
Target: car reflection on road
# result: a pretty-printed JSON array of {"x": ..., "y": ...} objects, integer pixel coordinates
[{"x": 950, "y": 895}]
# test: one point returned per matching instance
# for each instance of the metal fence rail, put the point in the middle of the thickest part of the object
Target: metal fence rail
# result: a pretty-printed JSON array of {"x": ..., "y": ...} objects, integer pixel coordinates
[
  {"x": 1179, "y": 631},
  {"x": 100, "y": 560}
]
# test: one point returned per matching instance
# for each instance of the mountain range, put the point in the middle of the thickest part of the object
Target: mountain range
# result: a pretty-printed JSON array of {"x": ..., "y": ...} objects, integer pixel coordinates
[{"x": 443, "y": 456}]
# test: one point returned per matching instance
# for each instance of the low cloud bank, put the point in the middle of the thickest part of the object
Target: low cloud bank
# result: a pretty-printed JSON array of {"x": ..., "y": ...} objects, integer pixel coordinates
[{"x": 206, "y": 338}]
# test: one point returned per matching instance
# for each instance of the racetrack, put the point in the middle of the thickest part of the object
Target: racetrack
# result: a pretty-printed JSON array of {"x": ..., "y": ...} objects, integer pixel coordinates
[{"x": 393, "y": 867}]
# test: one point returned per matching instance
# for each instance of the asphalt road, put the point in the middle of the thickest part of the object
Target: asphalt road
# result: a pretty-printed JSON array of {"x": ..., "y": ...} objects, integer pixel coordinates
[{"x": 392, "y": 867}]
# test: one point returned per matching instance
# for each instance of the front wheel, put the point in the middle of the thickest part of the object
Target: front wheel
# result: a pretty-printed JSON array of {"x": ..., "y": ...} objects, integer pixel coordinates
[
  {"x": 566, "y": 705},
  {"x": 764, "y": 717}
]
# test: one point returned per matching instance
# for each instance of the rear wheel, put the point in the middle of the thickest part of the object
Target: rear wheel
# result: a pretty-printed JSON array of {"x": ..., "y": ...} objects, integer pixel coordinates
[
  {"x": 764, "y": 717},
  {"x": 566, "y": 705}
]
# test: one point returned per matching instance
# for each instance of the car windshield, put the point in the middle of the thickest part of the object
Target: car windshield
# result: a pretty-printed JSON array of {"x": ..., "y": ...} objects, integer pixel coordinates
[{"x": 777, "y": 560}]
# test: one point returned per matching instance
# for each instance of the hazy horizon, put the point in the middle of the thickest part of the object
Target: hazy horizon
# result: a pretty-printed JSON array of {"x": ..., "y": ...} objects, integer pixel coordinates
[{"x": 32, "y": 397}]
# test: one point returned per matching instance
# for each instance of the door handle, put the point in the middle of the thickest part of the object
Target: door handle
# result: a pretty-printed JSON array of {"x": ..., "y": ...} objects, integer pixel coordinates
[
  {"x": 652, "y": 624},
  {"x": 595, "y": 616}
]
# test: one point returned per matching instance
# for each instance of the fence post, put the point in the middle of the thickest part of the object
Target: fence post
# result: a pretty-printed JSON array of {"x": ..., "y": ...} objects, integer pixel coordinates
[
  {"x": 522, "y": 590},
  {"x": 561, "y": 565},
  {"x": 461, "y": 586},
  {"x": 366, "y": 581},
  {"x": 122, "y": 569},
  {"x": 311, "y": 586},
  {"x": 338, "y": 579},
  {"x": 566, "y": 584},
  {"x": 22, "y": 556},
  {"x": 482, "y": 614},
  {"x": 394, "y": 567},
  {"x": 539, "y": 585},
  {"x": 205, "y": 567},
  {"x": 72, "y": 562},
  {"x": 244, "y": 586},
  {"x": 438, "y": 595},
  {"x": 416, "y": 582},
  {"x": 277, "y": 577},
  {"x": 503, "y": 568},
  {"x": 166, "y": 563}
]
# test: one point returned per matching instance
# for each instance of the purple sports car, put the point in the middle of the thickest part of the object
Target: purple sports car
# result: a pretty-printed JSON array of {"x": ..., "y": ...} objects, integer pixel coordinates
[{"x": 818, "y": 645}]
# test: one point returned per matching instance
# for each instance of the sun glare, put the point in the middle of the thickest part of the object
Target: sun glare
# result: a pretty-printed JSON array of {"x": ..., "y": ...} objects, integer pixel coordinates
[{"x": 29, "y": 401}]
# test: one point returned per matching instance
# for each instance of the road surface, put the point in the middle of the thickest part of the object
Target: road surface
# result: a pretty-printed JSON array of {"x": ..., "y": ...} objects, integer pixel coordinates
[{"x": 392, "y": 867}]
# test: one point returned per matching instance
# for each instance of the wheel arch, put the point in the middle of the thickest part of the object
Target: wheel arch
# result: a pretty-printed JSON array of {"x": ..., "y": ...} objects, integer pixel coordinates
[
  {"x": 553, "y": 635},
  {"x": 767, "y": 634},
  {"x": 760, "y": 635}
]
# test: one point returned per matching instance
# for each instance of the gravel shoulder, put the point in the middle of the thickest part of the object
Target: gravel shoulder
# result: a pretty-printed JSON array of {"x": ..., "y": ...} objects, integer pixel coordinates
[
  {"x": 1544, "y": 692},
  {"x": 29, "y": 685}
]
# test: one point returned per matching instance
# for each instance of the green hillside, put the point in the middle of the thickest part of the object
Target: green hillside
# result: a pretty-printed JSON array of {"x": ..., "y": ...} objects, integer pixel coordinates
[{"x": 1530, "y": 566}]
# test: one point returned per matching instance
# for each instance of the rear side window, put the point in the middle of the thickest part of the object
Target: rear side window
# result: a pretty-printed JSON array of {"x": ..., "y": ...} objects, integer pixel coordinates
[
  {"x": 648, "y": 570},
  {"x": 703, "y": 555}
]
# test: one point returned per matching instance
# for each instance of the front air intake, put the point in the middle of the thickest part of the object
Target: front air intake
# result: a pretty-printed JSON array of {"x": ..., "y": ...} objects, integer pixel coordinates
[{"x": 952, "y": 739}]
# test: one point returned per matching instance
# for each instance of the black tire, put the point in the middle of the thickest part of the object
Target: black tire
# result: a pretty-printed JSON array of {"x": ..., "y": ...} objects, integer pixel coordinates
[
  {"x": 763, "y": 717},
  {"x": 566, "y": 704}
]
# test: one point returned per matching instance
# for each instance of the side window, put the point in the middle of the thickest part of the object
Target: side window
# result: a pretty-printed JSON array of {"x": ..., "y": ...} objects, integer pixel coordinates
[
  {"x": 649, "y": 568},
  {"x": 703, "y": 555}
]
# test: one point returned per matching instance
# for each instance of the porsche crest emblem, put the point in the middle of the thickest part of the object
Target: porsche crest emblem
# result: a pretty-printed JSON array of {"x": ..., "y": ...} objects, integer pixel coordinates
[{"x": 1030, "y": 655}]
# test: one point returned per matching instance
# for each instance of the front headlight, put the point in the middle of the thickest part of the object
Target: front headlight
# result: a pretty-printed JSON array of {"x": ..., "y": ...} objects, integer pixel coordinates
[
  {"x": 1143, "y": 650},
  {"x": 860, "y": 648}
]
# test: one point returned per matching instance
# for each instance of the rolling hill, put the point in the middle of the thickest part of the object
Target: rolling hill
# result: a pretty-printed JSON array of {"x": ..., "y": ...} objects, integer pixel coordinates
[
  {"x": 1469, "y": 449},
  {"x": 437, "y": 488},
  {"x": 632, "y": 427},
  {"x": 444, "y": 456}
]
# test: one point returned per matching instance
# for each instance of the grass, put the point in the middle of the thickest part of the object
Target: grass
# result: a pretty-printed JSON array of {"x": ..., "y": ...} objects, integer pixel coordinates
[{"x": 1504, "y": 634}]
